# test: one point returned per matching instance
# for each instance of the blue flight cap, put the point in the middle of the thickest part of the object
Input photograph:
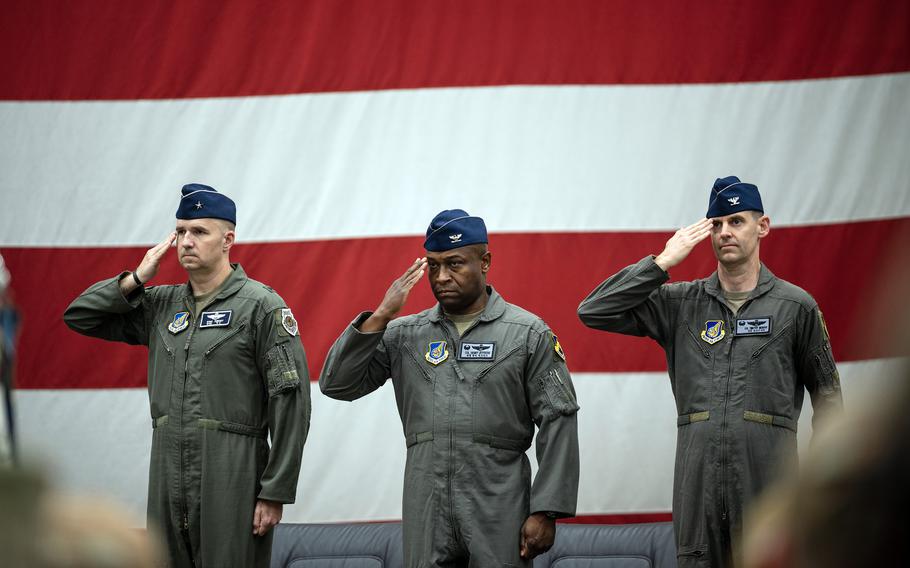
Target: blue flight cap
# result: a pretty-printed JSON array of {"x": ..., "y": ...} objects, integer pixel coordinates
[
  {"x": 203, "y": 202},
  {"x": 454, "y": 228},
  {"x": 729, "y": 196}
]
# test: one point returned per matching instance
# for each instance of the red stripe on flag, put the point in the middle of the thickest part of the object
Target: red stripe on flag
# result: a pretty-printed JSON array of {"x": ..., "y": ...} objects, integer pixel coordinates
[
  {"x": 109, "y": 49},
  {"x": 327, "y": 283}
]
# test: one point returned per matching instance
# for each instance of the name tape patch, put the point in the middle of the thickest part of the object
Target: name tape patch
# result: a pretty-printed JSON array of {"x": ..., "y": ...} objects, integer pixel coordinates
[
  {"x": 215, "y": 319},
  {"x": 477, "y": 351},
  {"x": 753, "y": 326}
]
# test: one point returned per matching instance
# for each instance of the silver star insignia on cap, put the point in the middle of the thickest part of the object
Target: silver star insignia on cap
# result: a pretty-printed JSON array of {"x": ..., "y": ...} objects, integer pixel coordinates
[{"x": 198, "y": 205}]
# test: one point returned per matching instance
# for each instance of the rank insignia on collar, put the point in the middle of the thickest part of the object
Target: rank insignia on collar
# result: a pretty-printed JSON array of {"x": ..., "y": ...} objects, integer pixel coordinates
[
  {"x": 713, "y": 332},
  {"x": 437, "y": 352},
  {"x": 181, "y": 322},
  {"x": 288, "y": 322}
]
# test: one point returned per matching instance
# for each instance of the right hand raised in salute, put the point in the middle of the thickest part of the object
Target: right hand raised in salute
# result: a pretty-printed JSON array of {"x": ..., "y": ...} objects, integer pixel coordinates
[
  {"x": 148, "y": 268},
  {"x": 395, "y": 297},
  {"x": 682, "y": 242}
]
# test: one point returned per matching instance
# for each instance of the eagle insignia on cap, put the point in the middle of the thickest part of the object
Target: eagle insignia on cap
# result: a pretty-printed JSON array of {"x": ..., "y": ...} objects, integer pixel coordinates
[
  {"x": 733, "y": 200},
  {"x": 455, "y": 238}
]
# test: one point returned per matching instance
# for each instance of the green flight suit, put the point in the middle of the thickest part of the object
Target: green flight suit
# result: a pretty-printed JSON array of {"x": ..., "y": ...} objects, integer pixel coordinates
[
  {"x": 738, "y": 381},
  {"x": 220, "y": 383},
  {"x": 468, "y": 407}
]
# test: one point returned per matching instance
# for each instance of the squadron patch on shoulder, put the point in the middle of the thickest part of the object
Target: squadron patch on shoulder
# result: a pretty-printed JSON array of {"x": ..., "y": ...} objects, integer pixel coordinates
[
  {"x": 181, "y": 322},
  {"x": 713, "y": 332},
  {"x": 437, "y": 352},
  {"x": 557, "y": 348},
  {"x": 288, "y": 322},
  {"x": 220, "y": 318},
  {"x": 477, "y": 351}
]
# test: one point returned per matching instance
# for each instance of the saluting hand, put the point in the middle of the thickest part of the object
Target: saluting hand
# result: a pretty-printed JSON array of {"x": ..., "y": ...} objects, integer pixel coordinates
[
  {"x": 682, "y": 242},
  {"x": 148, "y": 268},
  {"x": 395, "y": 297}
]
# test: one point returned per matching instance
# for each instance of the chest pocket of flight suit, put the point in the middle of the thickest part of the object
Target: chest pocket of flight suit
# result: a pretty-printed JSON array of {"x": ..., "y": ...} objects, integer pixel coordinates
[
  {"x": 500, "y": 412},
  {"x": 161, "y": 371},
  {"x": 771, "y": 382},
  {"x": 693, "y": 370}
]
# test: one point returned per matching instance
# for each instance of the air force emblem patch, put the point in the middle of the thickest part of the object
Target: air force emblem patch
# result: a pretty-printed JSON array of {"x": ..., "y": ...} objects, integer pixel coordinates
[
  {"x": 713, "y": 332},
  {"x": 477, "y": 351},
  {"x": 215, "y": 319},
  {"x": 437, "y": 352},
  {"x": 181, "y": 322}
]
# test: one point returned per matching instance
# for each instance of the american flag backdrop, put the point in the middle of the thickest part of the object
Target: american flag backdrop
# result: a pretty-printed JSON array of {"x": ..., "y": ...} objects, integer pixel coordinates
[{"x": 583, "y": 131}]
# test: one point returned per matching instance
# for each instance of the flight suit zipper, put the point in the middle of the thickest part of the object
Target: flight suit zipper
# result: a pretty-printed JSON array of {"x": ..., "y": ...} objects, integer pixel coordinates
[
  {"x": 450, "y": 473},
  {"x": 723, "y": 426},
  {"x": 186, "y": 372},
  {"x": 484, "y": 372}
]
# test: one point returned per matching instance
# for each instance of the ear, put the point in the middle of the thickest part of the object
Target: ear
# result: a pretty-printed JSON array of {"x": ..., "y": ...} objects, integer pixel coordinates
[
  {"x": 764, "y": 226},
  {"x": 228, "y": 241},
  {"x": 485, "y": 262}
]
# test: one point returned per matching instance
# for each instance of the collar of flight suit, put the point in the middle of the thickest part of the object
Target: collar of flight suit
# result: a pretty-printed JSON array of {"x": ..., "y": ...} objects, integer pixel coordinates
[
  {"x": 235, "y": 281},
  {"x": 495, "y": 307},
  {"x": 766, "y": 280}
]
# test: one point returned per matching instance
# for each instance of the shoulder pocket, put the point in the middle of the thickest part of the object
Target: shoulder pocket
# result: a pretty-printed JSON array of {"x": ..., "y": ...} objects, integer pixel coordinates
[
  {"x": 282, "y": 373},
  {"x": 558, "y": 395}
]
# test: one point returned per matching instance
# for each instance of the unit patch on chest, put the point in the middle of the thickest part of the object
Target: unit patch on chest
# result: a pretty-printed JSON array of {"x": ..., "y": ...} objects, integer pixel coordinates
[
  {"x": 753, "y": 326},
  {"x": 220, "y": 318},
  {"x": 436, "y": 352},
  {"x": 713, "y": 332},
  {"x": 181, "y": 322},
  {"x": 477, "y": 351}
]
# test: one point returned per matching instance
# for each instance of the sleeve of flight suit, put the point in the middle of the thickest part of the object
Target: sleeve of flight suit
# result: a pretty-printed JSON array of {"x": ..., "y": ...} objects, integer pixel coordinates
[
  {"x": 357, "y": 364},
  {"x": 630, "y": 302},
  {"x": 102, "y": 311},
  {"x": 282, "y": 364},
  {"x": 553, "y": 406},
  {"x": 816, "y": 365}
]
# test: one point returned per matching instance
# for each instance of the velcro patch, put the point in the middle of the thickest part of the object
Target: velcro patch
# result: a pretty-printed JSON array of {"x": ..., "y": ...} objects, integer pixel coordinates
[
  {"x": 220, "y": 318},
  {"x": 477, "y": 351},
  {"x": 753, "y": 326}
]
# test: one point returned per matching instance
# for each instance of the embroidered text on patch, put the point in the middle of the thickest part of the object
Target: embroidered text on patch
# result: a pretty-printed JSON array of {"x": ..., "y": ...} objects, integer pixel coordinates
[
  {"x": 753, "y": 326},
  {"x": 215, "y": 319},
  {"x": 477, "y": 351}
]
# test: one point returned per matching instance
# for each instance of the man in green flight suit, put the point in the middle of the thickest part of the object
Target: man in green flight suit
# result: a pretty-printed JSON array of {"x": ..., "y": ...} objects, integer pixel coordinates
[
  {"x": 743, "y": 347},
  {"x": 472, "y": 377},
  {"x": 226, "y": 371}
]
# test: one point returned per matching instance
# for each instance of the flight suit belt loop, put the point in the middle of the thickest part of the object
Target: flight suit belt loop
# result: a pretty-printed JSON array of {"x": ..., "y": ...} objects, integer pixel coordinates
[
  {"x": 417, "y": 438},
  {"x": 694, "y": 417},
  {"x": 502, "y": 443},
  {"x": 232, "y": 427},
  {"x": 771, "y": 419},
  {"x": 160, "y": 421}
]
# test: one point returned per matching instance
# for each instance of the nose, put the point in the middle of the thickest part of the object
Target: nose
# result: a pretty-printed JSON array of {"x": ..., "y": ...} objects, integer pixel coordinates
[{"x": 442, "y": 275}]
